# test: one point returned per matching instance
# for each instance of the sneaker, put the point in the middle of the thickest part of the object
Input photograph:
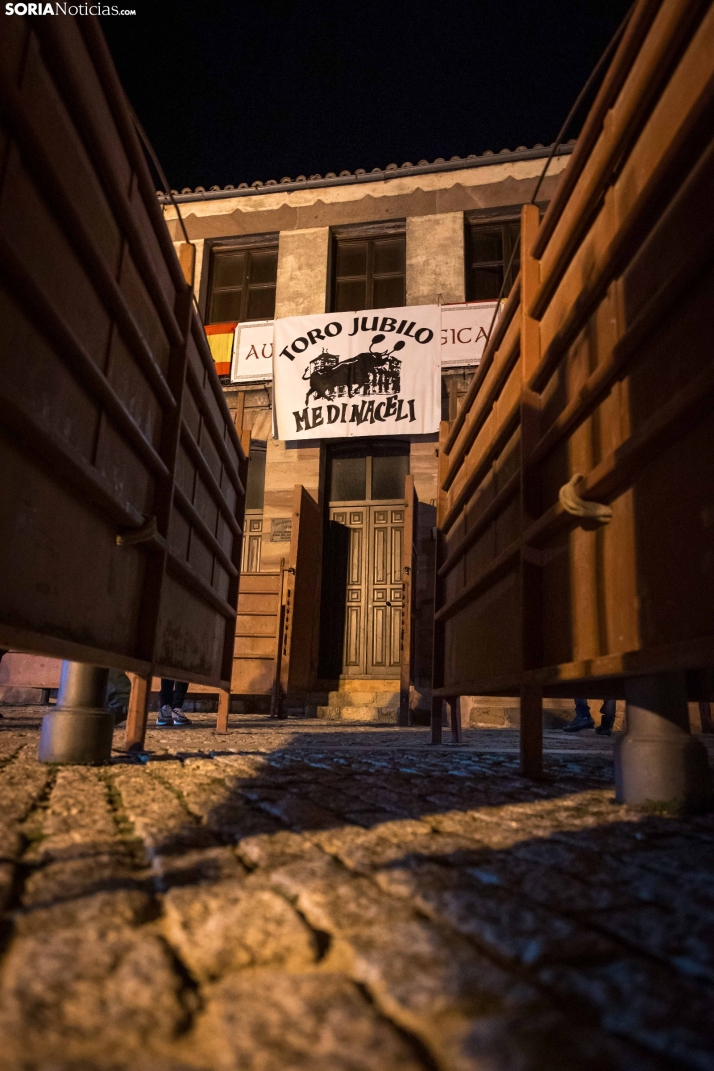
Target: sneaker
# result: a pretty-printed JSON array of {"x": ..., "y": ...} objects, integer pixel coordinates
[
  {"x": 179, "y": 718},
  {"x": 165, "y": 717},
  {"x": 579, "y": 723}
]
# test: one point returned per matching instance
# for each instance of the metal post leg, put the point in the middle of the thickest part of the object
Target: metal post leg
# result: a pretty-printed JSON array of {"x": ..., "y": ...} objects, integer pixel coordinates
[
  {"x": 658, "y": 761},
  {"x": 80, "y": 730}
]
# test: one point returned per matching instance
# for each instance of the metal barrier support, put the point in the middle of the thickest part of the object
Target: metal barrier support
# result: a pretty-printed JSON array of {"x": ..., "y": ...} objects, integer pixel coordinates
[
  {"x": 80, "y": 730},
  {"x": 658, "y": 762}
]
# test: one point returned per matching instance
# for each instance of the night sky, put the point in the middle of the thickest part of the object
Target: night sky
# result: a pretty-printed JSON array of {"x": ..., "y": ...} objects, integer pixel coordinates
[{"x": 232, "y": 91}]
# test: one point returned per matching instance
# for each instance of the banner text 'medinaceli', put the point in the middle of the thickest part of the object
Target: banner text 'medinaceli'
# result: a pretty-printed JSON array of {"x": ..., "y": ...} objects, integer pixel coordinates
[
  {"x": 396, "y": 408},
  {"x": 387, "y": 323}
]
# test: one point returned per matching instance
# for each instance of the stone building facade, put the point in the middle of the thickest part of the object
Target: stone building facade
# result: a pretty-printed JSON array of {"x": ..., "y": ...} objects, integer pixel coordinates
[{"x": 431, "y": 233}]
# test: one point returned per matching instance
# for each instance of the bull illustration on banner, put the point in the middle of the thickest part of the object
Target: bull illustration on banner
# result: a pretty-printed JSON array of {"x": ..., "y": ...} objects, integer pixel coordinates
[{"x": 371, "y": 372}]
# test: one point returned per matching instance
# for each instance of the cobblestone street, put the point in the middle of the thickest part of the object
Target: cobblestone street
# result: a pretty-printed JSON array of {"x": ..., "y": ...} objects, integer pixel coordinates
[{"x": 312, "y": 896}]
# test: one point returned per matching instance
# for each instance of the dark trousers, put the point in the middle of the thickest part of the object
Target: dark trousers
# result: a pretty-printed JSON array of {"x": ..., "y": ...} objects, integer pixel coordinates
[
  {"x": 172, "y": 693},
  {"x": 608, "y": 711}
]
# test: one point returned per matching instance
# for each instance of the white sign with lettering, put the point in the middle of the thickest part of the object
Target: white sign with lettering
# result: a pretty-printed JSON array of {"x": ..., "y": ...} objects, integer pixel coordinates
[
  {"x": 344, "y": 374},
  {"x": 464, "y": 329},
  {"x": 252, "y": 351}
]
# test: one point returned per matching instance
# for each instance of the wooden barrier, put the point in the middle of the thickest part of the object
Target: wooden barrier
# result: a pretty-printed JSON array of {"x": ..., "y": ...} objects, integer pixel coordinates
[
  {"x": 596, "y": 389},
  {"x": 123, "y": 474}
]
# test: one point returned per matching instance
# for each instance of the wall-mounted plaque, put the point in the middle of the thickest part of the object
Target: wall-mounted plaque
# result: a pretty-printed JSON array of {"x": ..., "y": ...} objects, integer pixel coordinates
[{"x": 280, "y": 529}]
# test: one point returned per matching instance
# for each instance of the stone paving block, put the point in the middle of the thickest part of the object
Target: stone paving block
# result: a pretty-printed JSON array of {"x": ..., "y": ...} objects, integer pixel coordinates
[
  {"x": 78, "y": 813},
  {"x": 498, "y": 920},
  {"x": 541, "y": 1040},
  {"x": 108, "y": 909},
  {"x": 682, "y": 937},
  {"x": 649, "y": 1005},
  {"x": 61, "y": 995},
  {"x": 197, "y": 865},
  {"x": 159, "y": 819},
  {"x": 68, "y": 878},
  {"x": 373, "y": 851},
  {"x": 299, "y": 813},
  {"x": 273, "y": 1021},
  {"x": 7, "y": 877},
  {"x": 227, "y": 925},
  {"x": 550, "y": 887},
  {"x": 334, "y": 900},
  {"x": 21, "y": 785},
  {"x": 271, "y": 850}
]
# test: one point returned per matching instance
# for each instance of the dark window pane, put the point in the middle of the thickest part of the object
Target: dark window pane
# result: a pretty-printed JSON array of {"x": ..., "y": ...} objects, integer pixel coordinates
[
  {"x": 225, "y": 306},
  {"x": 486, "y": 245},
  {"x": 349, "y": 479},
  {"x": 255, "y": 491},
  {"x": 388, "y": 293},
  {"x": 351, "y": 258},
  {"x": 261, "y": 303},
  {"x": 485, "y": 284},
  {"x": 349, "y": 296},
  {"x": 228, "y": 269},
  {"x": 264, "y": 266},
  {"x": 389, "y": 254},
  {"x": 388, "y": 474}
]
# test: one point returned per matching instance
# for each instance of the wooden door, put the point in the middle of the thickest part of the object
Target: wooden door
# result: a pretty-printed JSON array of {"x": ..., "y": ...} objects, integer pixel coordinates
[
  {"x": 349, "y": 538},
  {"x": 366, "y": 550},
  {"x": 301, "y": 596},
  {"x": 252, "y": 543},
  {"x": 384, "y": 590}
]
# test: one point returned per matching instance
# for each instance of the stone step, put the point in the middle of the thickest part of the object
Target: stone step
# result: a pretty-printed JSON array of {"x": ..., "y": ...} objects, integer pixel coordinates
[
  {"x": 367, "y": 698},
  {"x": 384, "y": 714}
]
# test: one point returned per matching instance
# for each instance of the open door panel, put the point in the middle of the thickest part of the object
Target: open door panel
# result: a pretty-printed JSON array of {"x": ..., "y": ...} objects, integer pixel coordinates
[
  {"x": 408, "y": 569},
  {"x": 301, "y": 594}
]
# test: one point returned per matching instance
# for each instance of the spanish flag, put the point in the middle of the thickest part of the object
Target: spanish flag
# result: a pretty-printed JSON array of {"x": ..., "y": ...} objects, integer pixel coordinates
[{"x": 220, "y": 339}]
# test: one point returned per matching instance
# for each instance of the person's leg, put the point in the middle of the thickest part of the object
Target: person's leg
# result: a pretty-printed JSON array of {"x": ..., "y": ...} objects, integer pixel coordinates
[
  {"x": 582, "y": 719},
  {"x": 118, "y": 692},
  {"x": 607, "y": 710},
  {"x": 179, "y": 694},
  {"x": 165, "y": 700},
  {"x": 180, "y": 689}
]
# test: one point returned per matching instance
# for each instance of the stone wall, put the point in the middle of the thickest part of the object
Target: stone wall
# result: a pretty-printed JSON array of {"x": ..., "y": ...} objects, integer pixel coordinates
[{"x": 435, "y": 259}]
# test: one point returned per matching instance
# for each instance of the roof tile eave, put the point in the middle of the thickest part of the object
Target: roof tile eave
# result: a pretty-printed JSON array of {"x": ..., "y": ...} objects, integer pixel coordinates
[{"x": 387, "y": 174}]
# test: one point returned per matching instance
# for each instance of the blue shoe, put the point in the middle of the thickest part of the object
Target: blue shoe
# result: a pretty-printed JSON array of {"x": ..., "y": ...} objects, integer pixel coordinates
[{"x": 165, "y": 719}]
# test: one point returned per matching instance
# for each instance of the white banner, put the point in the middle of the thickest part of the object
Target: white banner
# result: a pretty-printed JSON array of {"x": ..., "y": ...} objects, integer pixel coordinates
[
  {"x": 344, "y": 374},
  {"x": 464, "y": 329},
  {"x": 252, "y": 351}
]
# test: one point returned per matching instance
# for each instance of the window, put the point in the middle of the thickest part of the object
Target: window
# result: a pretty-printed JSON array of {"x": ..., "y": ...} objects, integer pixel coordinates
[
  {"x": 488, "y": 251},
  {"x": 367, "y": 473},
  {"x": 255, "y": 491},
  {"x": 242, "y": 285},
  {"x": 369, "y": 273}
]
